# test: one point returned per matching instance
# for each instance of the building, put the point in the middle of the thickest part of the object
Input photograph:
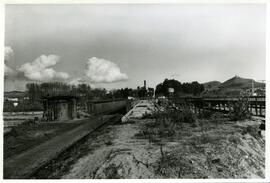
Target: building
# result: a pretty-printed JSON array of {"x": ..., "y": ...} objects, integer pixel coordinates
[
  {"x": 59, "y": 108},
  {"x": 13, "y": 101}
]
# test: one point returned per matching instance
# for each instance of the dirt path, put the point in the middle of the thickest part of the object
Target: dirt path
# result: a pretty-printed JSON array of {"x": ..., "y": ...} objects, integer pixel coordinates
[
  {"x": 211, "y": 150},
  {"x": 22, "y": 165},
  {"x": 119, "y": 151}
]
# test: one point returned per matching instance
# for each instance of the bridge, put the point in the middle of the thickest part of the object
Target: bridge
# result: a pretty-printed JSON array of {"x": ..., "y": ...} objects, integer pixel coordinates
[
  {"x": 24, "y": 165},
  {"x": 256, "y": 104}
]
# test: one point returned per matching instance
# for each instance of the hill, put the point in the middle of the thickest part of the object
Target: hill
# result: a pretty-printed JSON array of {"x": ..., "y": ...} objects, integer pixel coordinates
[
  {"x": 243, "y": 83},
  {"x": 14, "y": 94},
  {"x": 211, "y": 84},
  {"x": 233, "y": 87}
]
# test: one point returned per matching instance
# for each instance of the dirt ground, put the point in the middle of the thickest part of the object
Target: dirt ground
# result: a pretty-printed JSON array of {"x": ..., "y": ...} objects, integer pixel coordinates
[
  {"x": 26, "y": 136},
  {"x": 212, "y": 149}
]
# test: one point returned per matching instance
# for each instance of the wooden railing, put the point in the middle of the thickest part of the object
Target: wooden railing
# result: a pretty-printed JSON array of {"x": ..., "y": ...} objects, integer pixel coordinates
[{"x": 256, "y": 104}]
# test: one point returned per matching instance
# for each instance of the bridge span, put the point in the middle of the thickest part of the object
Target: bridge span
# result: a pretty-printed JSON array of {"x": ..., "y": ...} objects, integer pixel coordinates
[{"x": 256, "y": 104}]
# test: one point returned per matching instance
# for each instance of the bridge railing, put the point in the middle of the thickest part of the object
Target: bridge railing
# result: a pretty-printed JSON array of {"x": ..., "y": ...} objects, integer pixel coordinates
[{"x": 256, "y": 104}]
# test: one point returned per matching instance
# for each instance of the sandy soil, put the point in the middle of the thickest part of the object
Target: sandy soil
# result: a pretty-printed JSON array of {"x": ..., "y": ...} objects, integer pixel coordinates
[
  {"x": 120, "y": 152},
  {"x": 212, "y": 149}
]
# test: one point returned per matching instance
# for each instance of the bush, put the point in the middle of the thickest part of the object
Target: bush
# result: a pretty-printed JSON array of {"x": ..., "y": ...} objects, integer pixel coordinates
[
  {"x": 36, "y": 119},
  {"x": 252, "y": 130},
  {"x": 206, "y": 114},
  {"x": 235, "y": 139},
  {"x": 240, "y": 109},
  {"x": 166, "y": 122},
  {"x": 162, "y": 125},
  {"x": 174, "y": 164},
  {"x": 172, "y": 115},
  {"x": 166, "y": 126},
  {"x": 187, "y": 116}
]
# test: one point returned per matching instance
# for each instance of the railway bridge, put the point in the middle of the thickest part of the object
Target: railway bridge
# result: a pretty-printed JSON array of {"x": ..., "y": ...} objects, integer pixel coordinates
[{"x": 256, "y": 104}]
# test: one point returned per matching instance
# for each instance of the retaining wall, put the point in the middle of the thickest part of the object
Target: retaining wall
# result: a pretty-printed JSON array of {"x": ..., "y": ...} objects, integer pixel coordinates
[{"x": 102, "y": 107}]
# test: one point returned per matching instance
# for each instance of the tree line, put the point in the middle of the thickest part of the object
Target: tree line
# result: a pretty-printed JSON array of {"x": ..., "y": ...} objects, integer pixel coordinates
[
  {"x": 36, "y": 91},
  {"x": 180, "y": 89}
]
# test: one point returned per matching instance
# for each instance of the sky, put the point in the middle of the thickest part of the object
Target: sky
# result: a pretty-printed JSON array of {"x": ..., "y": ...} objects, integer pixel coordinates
[{"x": 117, "y": 46}]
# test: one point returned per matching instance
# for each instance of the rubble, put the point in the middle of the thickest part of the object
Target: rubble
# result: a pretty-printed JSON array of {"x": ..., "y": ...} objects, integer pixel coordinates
[{"x": 139, "y": 110}]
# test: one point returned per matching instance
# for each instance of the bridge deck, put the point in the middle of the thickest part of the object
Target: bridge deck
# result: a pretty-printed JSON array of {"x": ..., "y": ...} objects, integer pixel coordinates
[{"x": 256, "y": 104}]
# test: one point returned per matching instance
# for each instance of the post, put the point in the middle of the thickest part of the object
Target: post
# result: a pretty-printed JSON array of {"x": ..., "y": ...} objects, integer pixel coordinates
[
  {"x": 260, "y": 109},
  {"x": 73, "y": 108},
  {"x": 202, "y": 105},
  {"x": 256, "y": 108}
]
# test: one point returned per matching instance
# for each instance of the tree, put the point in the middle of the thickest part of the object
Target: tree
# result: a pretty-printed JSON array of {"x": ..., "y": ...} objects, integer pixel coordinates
[{"x": 193, "y": 88}]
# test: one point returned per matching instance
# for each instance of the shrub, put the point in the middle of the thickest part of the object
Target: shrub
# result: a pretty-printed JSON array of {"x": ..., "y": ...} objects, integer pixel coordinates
[
  {"x": 28, "y": 122},
  {"x": 240, "y": 109},
  {"x": 187, "y": 116},
  {"x": 173, "y": 164},
  {"x": 252, "y": 130},
  {"x": 218, "y": 115},
  {"x": 36, "y": 119},
  {"x": 206, "y": 114},
  {"x": 205, "y": 138},
  {"x": 235, "y": 139},
  {"x": 166, "y": 126},
  {"x": 149, "y": 115},
  {"x": 166, "y": 122},
  {"x": 172, "y": 115}
]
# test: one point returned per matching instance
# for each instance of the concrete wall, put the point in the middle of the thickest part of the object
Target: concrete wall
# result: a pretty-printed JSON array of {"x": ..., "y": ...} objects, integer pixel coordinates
[
  {"x": 131, "y": 104},
  {"x": 63, "y": 111},
  {"x": 60, "y": 110},
  {"x": 105, "y": 107}
]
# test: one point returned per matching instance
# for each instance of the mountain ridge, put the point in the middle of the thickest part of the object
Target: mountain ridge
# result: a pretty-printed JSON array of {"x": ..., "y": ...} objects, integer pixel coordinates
[{"x": 233, "y": 86}]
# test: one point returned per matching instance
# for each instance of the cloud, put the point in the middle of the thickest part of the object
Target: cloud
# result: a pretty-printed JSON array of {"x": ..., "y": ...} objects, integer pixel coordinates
[
  {"x": 76, "y": 81},
  {"x": 8, "y": 71},
  {"x": 41, "y": 69},
  {"x": 103, "y": 71},
  {"x": 8, "y": 53}
]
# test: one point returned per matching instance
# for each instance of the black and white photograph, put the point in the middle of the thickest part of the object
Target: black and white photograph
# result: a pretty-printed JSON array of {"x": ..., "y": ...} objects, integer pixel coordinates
[{"x": 134, "y": 91}]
